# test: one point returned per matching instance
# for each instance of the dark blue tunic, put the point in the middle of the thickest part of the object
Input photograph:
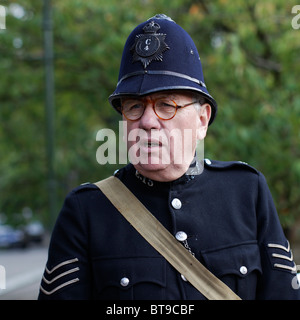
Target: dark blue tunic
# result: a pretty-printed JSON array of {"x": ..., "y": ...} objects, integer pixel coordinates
[{"x": 227, "y": 214}]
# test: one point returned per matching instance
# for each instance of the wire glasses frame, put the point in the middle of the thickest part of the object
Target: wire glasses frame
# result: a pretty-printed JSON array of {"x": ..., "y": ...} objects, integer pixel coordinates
[{"x": 164, "y": 109}]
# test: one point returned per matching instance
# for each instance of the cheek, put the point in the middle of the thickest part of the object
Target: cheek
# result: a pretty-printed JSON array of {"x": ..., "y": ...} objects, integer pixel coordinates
[
  {"x": 129, "y": 128},
  {"x": 195, "y": 125},
  {"x": 183, "y": 139},
  {"x": 189, "y": 128}
]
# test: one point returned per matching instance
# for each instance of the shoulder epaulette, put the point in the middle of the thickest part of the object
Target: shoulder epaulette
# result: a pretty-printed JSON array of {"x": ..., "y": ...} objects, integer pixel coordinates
[
  {"x": 89, "y": 185},
  {"x": 228, "y": 164},
  {"x": 84, "y": 186}
]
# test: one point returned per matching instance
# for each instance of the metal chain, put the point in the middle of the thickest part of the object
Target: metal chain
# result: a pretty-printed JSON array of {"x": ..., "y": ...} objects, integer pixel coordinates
[{"x": 186, "y": 245}]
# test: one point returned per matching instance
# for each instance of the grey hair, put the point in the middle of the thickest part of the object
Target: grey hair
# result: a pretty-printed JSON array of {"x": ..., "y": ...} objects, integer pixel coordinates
[{"x": 201, "y": 100}]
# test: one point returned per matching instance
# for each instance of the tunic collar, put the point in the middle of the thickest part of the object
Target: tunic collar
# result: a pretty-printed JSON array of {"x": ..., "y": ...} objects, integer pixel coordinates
[{"x": 196, "y": 168}]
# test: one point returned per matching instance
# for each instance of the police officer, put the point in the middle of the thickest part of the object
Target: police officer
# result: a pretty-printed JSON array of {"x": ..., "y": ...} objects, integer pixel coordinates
[{"x": 222, "y": 212}]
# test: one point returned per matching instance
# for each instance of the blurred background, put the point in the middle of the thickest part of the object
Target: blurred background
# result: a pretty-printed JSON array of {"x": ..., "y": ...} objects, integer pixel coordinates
[{"x": 59, "y": 62}]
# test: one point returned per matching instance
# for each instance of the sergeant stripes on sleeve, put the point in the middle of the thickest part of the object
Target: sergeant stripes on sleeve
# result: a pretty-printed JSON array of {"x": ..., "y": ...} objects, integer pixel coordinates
[
  {"x": 284, "y": 258},
  {"x": 54, "y": 276}
]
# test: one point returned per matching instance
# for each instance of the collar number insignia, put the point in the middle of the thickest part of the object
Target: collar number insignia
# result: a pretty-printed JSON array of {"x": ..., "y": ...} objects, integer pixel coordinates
[{"x": 150, "y": 45}]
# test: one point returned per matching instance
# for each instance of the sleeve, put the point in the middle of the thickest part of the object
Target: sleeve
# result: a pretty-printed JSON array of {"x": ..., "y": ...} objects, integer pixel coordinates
[
  {"x": 66, "y": 275},
  {"x": 279, "y": 278}
]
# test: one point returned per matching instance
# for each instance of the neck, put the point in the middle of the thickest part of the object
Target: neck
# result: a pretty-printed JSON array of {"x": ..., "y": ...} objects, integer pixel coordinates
[{"x": 171, "y": 173}]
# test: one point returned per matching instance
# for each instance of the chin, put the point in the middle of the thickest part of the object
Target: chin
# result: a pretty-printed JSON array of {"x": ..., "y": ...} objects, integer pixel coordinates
[
  {"x": 149, "y": 167},
  {"x": 160, "y": 172}
]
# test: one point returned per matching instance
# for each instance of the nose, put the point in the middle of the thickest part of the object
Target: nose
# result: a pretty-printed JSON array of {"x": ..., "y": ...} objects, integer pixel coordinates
[{"x": 149, "y": 120}]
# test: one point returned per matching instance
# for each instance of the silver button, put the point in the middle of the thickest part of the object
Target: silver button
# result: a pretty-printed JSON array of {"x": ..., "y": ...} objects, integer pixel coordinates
[
  {"x": 207, "y": 161},
  {"x": 243, "y": 270},
  {"x": 183, "y": 277},
  {"x": 176, "y": 203},
  {"x": 124, "y": 282},
  {"x": 181, "y": 236}
]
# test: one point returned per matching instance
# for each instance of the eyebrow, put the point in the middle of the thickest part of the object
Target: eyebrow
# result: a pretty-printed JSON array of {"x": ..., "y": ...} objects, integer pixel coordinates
[{"x": 171, "y": 96}]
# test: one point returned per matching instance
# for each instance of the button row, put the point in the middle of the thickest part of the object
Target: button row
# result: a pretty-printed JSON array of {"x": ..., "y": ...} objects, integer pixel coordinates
[
  {"x": 125, "y": 281},
  {"x": 181, "y": 236}
]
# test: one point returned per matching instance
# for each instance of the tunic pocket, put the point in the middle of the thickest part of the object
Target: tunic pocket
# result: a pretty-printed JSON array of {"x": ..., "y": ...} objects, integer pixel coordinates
[
  {"x": 238, "y": 266},
  {"x": 124, "y": 278}
]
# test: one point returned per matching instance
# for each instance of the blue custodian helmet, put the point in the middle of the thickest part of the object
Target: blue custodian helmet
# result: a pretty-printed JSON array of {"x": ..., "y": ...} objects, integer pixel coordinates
[{"x": 159, "y": 55}]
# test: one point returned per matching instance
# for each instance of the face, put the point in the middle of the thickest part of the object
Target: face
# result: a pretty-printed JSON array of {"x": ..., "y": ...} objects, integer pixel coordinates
[{"x": 163, "y": 150}]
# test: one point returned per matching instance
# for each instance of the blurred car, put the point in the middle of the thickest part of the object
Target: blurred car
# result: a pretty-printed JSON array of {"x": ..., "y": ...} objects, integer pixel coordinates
[
  {"x": 10, "y": 237},
  {"x": 35, "y": 231}
]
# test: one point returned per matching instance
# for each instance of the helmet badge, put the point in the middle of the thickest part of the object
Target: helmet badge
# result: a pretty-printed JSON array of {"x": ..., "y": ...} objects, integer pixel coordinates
[{"x": 150, "y": 45}]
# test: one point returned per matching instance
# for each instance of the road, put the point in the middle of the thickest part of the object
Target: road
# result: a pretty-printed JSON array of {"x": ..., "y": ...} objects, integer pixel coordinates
[{"x": 23, "y": 272}]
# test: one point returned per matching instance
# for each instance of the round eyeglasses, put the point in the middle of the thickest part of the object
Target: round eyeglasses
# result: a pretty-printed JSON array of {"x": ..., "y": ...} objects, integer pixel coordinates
[{"x": 164, "y": 108}]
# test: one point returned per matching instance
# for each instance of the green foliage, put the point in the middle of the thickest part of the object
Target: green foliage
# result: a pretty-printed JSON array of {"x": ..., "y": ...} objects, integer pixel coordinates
[{"x": 250, "y": 57}]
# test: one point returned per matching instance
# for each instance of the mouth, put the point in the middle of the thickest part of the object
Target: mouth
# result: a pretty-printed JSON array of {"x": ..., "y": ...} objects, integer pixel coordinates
[
  {"x": 152, "y": 144},
  {"x": 149, "y": 144}
]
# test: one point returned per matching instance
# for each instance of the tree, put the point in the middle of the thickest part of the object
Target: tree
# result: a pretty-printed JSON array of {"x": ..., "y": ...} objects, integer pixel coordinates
[
  {"x": 252, "y": 70},
  {"x": 249, "y": 52}
]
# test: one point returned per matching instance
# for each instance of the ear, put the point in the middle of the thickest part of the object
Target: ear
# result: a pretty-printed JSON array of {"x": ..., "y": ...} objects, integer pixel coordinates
[{"x": 204, "y": 117}]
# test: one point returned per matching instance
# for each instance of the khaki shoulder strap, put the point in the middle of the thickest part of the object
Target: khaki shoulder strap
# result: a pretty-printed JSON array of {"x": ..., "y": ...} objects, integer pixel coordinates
[{"x": 163, "y": 241}]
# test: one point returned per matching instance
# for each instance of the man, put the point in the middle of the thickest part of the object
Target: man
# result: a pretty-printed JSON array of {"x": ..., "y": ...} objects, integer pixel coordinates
[{"x": 222, "y": 212}]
